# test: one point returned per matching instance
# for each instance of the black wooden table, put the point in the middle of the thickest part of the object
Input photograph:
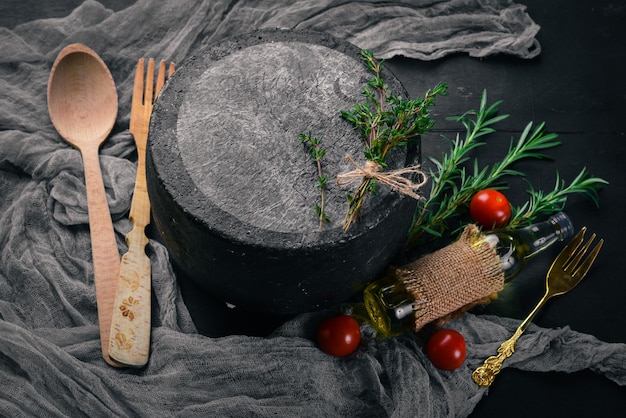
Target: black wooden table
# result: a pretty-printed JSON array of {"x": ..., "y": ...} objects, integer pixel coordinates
[{"x": 576, "y": 86}]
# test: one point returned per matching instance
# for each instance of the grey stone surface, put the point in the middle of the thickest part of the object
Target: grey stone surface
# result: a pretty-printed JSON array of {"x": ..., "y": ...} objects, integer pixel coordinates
[
  {"x": 233, "y": 189},
  {"x": 239, "y": 126}
]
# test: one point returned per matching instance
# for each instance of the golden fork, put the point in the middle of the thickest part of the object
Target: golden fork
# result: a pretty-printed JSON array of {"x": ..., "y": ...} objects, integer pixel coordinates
[
  {"x": 567, "y": 270},
  {"x": 130, "y": 325}
]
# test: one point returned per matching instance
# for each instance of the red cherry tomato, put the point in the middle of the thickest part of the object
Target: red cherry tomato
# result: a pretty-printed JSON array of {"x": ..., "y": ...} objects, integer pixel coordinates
[
  {"x": 446, "y": 349},
  {"x": 339, "y": 335},
  {"x": 490, "y": 208}
]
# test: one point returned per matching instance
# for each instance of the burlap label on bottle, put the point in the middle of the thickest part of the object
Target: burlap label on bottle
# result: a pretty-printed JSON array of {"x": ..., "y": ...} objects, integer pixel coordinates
[{"x": 449, "y": 279}]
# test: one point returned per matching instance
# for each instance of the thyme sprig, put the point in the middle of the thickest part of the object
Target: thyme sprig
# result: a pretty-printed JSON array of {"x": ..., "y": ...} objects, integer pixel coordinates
[
  {"x": 317, "y": 153},
  {"x": 453, "y": 185},
  {"x": 385, "y": 121}
]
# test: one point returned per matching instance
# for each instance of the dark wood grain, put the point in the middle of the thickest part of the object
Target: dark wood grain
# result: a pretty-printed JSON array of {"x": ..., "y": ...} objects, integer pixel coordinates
[{"x": 576, "y": 86}]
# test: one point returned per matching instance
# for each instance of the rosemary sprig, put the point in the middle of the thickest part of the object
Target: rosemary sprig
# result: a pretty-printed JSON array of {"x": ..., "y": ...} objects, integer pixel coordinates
[
  {"x": 450, "y": 185},
  {"x": 385, "y": 121},
  {"x": 317, "y": 153},
  {"x": 542, "y": 204},
  {"x": 453, "y": 187}
]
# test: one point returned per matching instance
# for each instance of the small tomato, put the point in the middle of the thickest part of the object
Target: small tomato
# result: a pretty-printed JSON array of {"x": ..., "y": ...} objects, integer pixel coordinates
[
  {"x": 339, "y": 335},
  {"x": 446, "y": 349},
  {"x": 490, "y": 208}
]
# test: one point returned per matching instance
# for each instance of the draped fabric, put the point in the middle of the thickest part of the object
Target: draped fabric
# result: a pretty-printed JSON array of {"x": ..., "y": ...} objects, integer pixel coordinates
[{"x": 50, "y": 359}]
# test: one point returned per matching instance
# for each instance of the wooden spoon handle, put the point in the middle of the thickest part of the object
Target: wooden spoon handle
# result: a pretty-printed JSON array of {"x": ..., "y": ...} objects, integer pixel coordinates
[
  {"x": 130, "y": 327},
  {"x": 106, "y": 257}
]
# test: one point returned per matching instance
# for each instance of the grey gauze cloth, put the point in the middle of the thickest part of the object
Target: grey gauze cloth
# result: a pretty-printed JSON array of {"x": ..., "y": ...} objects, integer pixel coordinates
[{"x": 50, "y": 359}]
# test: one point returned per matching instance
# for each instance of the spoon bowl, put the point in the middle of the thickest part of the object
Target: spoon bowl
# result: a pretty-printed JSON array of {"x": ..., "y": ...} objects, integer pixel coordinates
[{"x": 82, "y": 102}]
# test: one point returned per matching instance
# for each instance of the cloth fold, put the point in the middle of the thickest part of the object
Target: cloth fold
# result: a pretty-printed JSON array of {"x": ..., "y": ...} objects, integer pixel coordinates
[
  {"x": 50, "y": 360},
  {"x": 191, "y": 375}
]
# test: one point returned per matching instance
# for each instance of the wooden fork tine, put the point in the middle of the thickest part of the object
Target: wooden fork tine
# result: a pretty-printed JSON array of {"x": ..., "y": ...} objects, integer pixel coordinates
[
  {"x": 582, "y": 270},
  {"x": 160, "y": 80},
  {"x": 148, "y": 93},
  {"x": 138, "y": 87}
]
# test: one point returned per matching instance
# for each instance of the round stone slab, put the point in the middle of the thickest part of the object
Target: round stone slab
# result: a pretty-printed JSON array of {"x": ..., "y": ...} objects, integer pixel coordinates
[{"x": 233, "y": 189}]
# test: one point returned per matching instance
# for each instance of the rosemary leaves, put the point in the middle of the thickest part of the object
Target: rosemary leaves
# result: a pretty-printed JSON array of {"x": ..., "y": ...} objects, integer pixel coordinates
[
  {"x": 386, "y": 121},
  {"x": 452, "y": 186}
]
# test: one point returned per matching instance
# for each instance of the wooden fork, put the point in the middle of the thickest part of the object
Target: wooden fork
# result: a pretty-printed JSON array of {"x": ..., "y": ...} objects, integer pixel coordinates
[
  {"x": 567, "y": 270},
  {"x": 131, "y": 321}
]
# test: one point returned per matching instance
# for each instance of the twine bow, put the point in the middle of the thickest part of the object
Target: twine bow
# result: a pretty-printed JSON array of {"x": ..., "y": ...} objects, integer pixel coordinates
[{"x": 392, "y": 179}]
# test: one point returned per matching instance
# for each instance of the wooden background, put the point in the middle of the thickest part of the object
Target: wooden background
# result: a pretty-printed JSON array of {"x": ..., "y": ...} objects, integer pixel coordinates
[{"x": 576, "y": 86}]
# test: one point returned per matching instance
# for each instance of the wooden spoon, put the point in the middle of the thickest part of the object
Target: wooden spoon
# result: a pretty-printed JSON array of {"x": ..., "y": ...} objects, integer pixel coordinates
[{"x": 82, "y": 102}]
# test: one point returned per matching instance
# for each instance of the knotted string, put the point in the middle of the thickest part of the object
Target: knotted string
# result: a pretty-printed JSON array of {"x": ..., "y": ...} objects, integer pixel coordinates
[{"x": 393, "y": 179}]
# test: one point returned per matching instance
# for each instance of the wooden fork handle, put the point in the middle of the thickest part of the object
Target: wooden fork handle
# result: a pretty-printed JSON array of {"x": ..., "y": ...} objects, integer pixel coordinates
[
  {"x": 140, "y": 205},
  {"x": 131, "y": 320}
]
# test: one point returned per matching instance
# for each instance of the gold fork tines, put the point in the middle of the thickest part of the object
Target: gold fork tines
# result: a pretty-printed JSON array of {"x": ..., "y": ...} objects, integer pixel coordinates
[
  {"x": 567, "y": 270},
  {"x": 574, "y": 263},
  {"x": 130, "y": 325}
]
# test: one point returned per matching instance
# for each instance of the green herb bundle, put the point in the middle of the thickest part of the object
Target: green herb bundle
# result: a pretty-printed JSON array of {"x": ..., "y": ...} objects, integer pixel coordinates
[
  {"x": 386, "y": 121},
  {"x": 453, "y": 185}
]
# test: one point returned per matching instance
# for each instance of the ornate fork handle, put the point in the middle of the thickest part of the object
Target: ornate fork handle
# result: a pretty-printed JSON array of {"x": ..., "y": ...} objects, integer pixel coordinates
[
  {"x": 567, "y": 270},
  {"x": 486, "y": 374}
]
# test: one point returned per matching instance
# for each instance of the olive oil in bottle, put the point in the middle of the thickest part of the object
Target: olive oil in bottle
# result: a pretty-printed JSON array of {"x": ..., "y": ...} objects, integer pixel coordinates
[{"x": 392, "y": 309}]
